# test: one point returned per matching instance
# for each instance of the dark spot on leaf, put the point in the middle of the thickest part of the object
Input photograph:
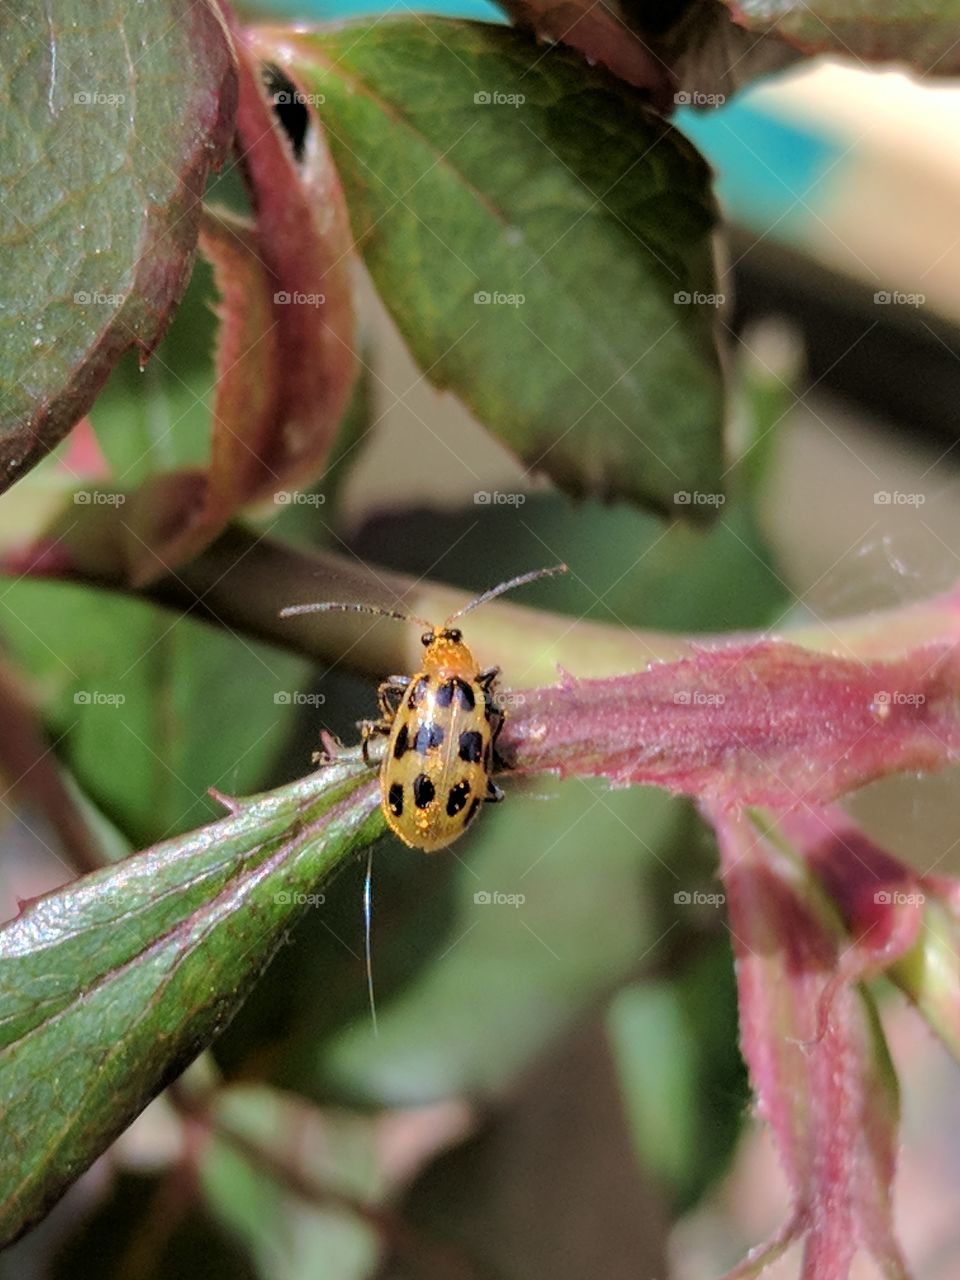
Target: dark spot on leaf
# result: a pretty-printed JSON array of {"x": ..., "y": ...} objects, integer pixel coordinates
[
  {"x": 423, "y": 791},
  {"x": 288, "y": 107}
]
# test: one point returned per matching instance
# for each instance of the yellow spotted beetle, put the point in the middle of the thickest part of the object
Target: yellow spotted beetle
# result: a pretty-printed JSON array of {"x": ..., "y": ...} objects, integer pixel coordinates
[{"x": 441, "y": 726}]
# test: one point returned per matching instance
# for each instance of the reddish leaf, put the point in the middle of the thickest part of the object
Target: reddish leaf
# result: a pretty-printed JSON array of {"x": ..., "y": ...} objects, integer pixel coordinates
[
  {"x": 31, "y": 775},
  {"x": 825, "y": 1086},
  {"x": 903, "y": 923},
  {"x": 763, "y": 722},
  {"x": 285, "y": 361},
  {"x": 601, "y": 36}
]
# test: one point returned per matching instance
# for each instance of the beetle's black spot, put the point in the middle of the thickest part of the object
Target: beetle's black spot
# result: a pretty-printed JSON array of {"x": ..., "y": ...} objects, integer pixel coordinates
[
  {"x": 471, "y": 746},
  {"x": 423, "y": 791},
  {"x": 456, "y": 688},
  {"x": 402, "y": 742},
  {"x": 416, "y": 694},
  {"x": 457, "y": 797},
  {"x": 428, "y": 735},
  {"x": 474, "y": 806},
  {"x": 486, "y": 757},
  {"x": 395, "y": 799}
]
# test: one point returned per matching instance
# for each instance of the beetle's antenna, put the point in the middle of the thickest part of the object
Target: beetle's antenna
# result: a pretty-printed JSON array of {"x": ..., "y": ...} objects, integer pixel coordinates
[
  {"x": 366, "y": 927},
  {"x": 335, "y": 606},
  {"x": 520, "y": 581}
]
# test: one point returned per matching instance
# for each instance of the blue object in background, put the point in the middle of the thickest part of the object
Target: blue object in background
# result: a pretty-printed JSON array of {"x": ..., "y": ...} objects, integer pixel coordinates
[
  {"x": 769, "y": 168},
  {"x": 330, "y": 10}
]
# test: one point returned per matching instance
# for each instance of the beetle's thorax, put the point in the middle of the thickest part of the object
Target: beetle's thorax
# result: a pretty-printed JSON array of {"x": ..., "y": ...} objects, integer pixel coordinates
[{"x": 443, "y": 656}]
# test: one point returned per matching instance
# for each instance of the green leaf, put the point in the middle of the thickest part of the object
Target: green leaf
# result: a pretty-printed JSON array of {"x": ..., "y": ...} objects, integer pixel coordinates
[
  {"x": 111, "y": 985},
  {"x": 683, "y": 1082},
  {"x": 150, "y": 710},
  {"x": 577, "y": 200},
  {"x": 113, "y": 116}
]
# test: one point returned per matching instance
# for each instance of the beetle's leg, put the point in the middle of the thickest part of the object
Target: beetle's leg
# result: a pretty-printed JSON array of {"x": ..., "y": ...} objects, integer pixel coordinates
[
  {"x": 494, "y": 794},
  {"x": 486, "y": 678},
  {"x": 496, "y": 718},
  {"x": 371, "y": 729},
  {"x": 387, "y": 695}
]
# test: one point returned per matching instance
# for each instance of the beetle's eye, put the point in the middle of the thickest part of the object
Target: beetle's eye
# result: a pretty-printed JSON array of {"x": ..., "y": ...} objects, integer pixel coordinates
[
  {"x": 455, "y": 635},
  {"x": 427, "y": 637}
]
